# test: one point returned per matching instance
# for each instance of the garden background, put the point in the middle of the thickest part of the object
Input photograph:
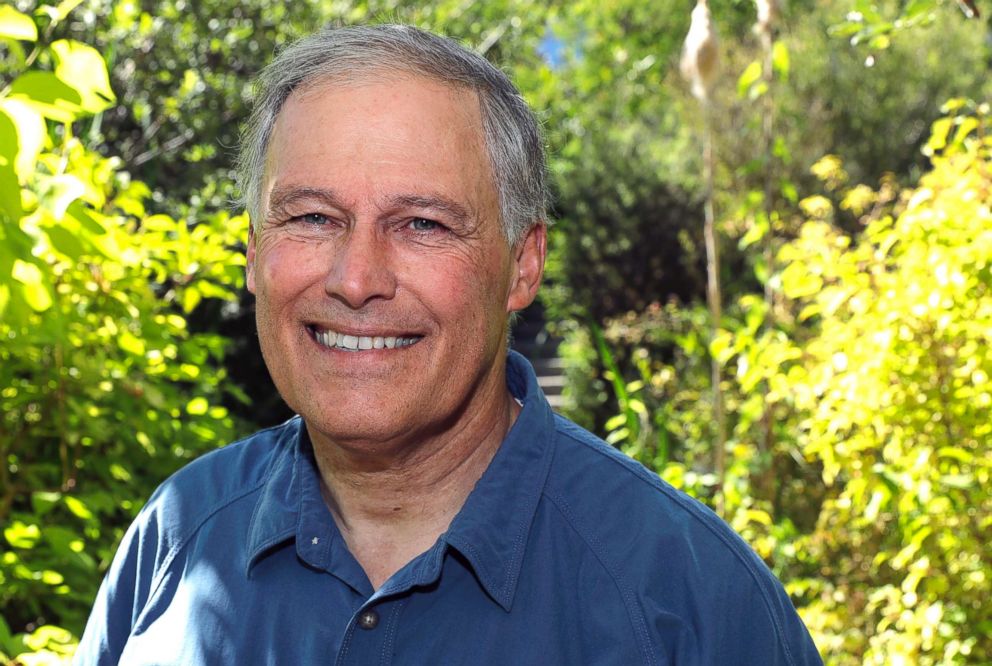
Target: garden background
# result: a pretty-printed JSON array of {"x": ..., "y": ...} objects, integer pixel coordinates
[{"x": 777, "y": 296}]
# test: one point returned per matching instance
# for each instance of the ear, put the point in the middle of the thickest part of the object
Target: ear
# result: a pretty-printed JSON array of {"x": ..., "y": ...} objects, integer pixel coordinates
[
  {"x": 250, "y": 260},
  {"x": 528, "y": 267}
]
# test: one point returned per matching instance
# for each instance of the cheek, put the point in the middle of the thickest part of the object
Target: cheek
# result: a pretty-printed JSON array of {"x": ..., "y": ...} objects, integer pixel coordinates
[
  {"x": 283, "y": 269},
  {"x": 471, "y": 294}
]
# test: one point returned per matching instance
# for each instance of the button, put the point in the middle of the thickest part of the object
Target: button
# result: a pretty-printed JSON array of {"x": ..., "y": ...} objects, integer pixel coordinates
[{"x": 368, "y": 619}]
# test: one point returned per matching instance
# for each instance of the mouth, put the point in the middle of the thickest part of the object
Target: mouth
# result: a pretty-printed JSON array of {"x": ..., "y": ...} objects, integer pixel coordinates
[{"x": 355, "y": 343}]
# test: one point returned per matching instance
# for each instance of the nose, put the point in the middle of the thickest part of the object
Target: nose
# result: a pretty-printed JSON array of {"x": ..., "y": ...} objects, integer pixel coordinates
[{"x": 361, "y": 269}]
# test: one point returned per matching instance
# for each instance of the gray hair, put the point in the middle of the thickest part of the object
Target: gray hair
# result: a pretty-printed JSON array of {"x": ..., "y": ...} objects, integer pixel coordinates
[{"x": 511, "y": 131}]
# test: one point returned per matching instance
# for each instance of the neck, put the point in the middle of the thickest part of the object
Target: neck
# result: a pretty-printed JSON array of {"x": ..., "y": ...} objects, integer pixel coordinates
[{"x": 391, "y": 503}]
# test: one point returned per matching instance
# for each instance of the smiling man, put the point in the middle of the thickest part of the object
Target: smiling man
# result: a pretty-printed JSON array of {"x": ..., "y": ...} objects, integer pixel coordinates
[{"x": 426, "y": 507}]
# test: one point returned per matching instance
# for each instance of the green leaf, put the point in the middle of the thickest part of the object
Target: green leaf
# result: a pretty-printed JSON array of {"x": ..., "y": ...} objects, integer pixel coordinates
[
  {"x": 780, "y": 59},
  {"x": 60, "y": 12},
  {"x": 36, "y": 292},
  {"x": 43, "y": 501},
  {"x": 20, "y": 535},
  {"x": 30, "y": 135},
  {"x": 15, "y": 25},
  {"x": 78, "y": 509},
  {"x": 197, "y": 406},
  {"x": 10, "y": 193},
  {"x": 799, "y": 282},
  {"x": 65, "y": 242},
  {"x": 48, "y": 95},
  {"x": 747, "y": 80},
  {"x": 10, "y": 188},
  {"x": 83, "y": 68}
]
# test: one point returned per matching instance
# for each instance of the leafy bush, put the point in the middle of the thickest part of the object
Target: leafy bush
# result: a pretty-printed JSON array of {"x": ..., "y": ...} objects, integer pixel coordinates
[
  {"x": 859, "y": 461},
  {"x": 97, "y": 366},
  {"x": 891, "y": 390}
]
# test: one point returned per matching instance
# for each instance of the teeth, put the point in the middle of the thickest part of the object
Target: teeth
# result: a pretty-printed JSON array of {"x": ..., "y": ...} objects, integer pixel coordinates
[{"x": 363, "y": 342}]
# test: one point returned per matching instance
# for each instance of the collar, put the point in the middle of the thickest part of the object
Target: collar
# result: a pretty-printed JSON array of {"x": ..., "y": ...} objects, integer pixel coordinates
[
  {"x": 490, "y": 530},
  {"x": 277, "y": 510},
  {"x": 492, "y": 527}
]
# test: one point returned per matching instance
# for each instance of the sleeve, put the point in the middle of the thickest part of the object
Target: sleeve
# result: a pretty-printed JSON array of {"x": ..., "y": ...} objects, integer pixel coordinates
[
  {"x": 734, "y": 614},
  {"x": 123, "y": 593}
]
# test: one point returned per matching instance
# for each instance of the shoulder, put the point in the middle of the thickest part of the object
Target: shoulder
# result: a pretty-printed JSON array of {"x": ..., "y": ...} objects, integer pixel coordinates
[
  {"x": 218, "y": 483},
  {"x": 225, "y": 472},
  {"x": 672, "y": 558},
  {"x": 591, "y": 477},
  {"x": 208, "y": 484}
]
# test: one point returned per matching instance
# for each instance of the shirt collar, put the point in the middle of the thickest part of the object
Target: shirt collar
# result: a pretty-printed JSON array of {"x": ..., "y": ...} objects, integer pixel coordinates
[
  {"x": 274, "y": 519},
  {"x": 491, "y": 528}
]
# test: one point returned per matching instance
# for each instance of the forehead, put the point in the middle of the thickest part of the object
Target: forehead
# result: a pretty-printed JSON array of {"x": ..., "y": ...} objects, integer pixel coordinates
[
  {"x": 392, "y": 132},
  {"x": 404, "y": 111}
]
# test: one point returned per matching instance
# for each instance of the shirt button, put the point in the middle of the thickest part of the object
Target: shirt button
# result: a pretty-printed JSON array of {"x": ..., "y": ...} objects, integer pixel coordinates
[{"x": 368, "y": 619}]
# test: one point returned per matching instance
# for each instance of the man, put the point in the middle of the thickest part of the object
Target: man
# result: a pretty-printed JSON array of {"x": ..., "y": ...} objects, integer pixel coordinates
[{"x": 427, "y": 507}]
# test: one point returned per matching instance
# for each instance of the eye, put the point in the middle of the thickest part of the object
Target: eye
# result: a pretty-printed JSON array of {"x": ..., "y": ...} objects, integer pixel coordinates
[
  {"x": 422, "y": 224},
  {"x": 313, "y": 219}
]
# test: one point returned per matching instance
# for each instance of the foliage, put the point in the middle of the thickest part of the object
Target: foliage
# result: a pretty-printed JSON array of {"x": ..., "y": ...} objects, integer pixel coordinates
[
  {"x": 870, "y": 492},
  {"x": 96, "y": 360},
  {"x": 891, "y": 393}
]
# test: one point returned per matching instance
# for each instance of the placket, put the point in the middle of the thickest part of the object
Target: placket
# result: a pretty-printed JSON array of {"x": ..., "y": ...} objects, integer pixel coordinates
[{"x": 371, "y": 633}]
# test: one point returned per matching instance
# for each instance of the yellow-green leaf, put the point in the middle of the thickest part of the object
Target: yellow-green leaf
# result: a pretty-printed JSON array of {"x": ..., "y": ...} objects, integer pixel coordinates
[
  {"x": 751, "y": 75},
  {"x": 131, "y": 343},
  {"x": 15, "y": 25},
  {"x": 78, "y": 509},
  {"x": 31, "y": 134},
  {"x": 197, "y": 406},
  {"x": 798, "y": 281},
  {"x": 780, "y": 59},
  {"x": 35, "y": 291},
  {"x": 60, "y": 12},
  {"x": 83, "y": 68},
  {"x": 48, "y": 95},
  {"x": 20, "y": 535},
  {"x": 62, "y": 191}
]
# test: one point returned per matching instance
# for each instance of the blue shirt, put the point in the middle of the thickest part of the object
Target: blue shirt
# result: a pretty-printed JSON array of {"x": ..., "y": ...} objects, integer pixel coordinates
[{"x": 566, "y": 552}]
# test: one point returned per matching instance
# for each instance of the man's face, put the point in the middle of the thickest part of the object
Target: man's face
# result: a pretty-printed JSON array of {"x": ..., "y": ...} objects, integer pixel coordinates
[{"x": 382, "y": 278}]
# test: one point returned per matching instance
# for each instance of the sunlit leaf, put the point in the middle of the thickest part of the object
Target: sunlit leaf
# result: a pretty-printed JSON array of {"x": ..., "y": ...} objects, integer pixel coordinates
[
  {"x": 197, "y": 406},
  {"x": 21, "y": 535},
  {"x": 77, "y": 507},
  {"x": 15, "y": 25},
  {"x": 31, "y": 135},
  {"x": 780, "y": 59},
  {"x": 750, "y": 76},
  {"x": 48, "y": 95},
  {"x": 61, "y": 11},
  {"x": 36, "y": 292},
  {"x": 82, "y": 67}
]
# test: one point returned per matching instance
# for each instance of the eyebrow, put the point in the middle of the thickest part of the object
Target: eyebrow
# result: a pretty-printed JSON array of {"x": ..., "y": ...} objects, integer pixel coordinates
[
  {"x": 283, "y": 197},
  {"x": 436, "y": 202}
]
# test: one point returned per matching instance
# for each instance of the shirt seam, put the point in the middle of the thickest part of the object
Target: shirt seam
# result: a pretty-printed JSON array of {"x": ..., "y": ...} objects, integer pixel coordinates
[
  {"x": 657, "y": 484},
  {"x": 636, "y": 618},
  {"x": 391, "y": 626},
  {"x": 181, "y": 545}
]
